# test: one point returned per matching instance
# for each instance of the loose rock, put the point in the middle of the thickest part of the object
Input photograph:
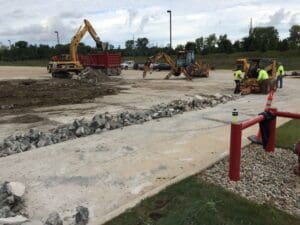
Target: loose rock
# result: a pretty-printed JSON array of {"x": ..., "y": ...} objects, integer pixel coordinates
[
  {"x": 265, "y": 177},
  {"x": 101, "y": 122},
  {"x": 54, "y": 219},
  {"x": 82, "y": 215}
]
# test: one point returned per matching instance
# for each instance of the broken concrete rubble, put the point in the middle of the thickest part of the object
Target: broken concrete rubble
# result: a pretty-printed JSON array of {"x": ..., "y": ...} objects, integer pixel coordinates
[
  {"x": 15, "y": 220},
  {"x": 79, "y": 128},
  {"x": 11, "y": 204},
  {"x": 16, "y": 189},
  {"x": 82, "y": 215},
  {"x": 54, "y": 219}
]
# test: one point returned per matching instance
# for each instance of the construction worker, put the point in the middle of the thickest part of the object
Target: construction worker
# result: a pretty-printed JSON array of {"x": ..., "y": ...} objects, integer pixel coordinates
[
  {"x": 147, "y": 67},
  {"x": 263, "y": 80},
  {"x": 238, "y": 76},
  {"x": 280, "y": 74}
]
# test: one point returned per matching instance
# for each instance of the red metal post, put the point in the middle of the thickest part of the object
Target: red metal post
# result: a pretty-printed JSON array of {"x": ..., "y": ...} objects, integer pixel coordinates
[
  {"x": 271, "y": 143},
  {"x": 288, "y": 115},
  {"x": 251, "y": 122},
  {"x": 235, "y": 151}
]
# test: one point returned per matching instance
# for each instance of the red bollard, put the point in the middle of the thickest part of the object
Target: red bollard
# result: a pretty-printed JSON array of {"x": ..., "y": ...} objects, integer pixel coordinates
[
  {"x": 235, "y": 151},
  {"x": 271, "y": 143}
]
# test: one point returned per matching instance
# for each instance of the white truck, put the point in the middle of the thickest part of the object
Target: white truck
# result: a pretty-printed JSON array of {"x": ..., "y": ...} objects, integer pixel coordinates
[{"x": 127, "y": 65}]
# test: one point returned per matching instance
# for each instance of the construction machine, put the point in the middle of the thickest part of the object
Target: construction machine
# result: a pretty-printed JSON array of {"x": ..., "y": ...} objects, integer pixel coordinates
[
  {"x": 250, "y": 67},
  {"x": 62, "y": 66},
  {"x": 184, "y": 64}
]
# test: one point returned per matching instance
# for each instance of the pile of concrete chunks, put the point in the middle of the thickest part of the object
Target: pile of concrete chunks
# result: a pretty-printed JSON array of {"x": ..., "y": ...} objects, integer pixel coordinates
[
  {"x": 11, "y": 203},
  {"x": 79, "y": 128},
  {"x": 13, "y": 211}
]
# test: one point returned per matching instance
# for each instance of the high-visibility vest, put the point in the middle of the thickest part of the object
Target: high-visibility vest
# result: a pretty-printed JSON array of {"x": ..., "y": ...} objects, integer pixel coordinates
[
  {"x": 263, "y": 75},
  {"x": 280, "y": 70},
  {"x": 238, "y": 75}
]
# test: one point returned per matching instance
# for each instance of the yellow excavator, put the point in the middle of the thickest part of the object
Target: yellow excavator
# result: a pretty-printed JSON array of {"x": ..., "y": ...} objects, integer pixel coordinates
[
  {"x": 185, "y": 64},
  {"x": 62, "y": 66},
  {"x": 249, "y": 66}
]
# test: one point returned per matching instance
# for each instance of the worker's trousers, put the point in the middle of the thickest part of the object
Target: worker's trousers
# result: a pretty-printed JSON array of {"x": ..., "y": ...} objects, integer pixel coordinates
[
  {"x": 279, "y": 81},
  {"x": 237, "y": 89}
]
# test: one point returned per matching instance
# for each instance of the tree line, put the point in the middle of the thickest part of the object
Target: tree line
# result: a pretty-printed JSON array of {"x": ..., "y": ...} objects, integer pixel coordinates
[{"x": 259, "y": 39}]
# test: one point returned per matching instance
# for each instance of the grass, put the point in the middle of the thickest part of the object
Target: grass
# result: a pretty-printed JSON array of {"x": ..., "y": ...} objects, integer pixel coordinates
[
  {"x": 288, "y": 134},
  {"x": 36, "y": 62},
  {"x": 195, "y": 202},
  {"x": 291, "y": 59}
]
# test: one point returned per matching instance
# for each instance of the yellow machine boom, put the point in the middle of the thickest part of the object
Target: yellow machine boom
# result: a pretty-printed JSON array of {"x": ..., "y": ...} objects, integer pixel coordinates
[
  {"x": 192, "y": 69},
  {"x": 62, "y": 66}
]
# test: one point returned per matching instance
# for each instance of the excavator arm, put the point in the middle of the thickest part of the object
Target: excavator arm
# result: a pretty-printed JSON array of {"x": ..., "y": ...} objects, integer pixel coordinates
[{"x": 78, "y": 37}]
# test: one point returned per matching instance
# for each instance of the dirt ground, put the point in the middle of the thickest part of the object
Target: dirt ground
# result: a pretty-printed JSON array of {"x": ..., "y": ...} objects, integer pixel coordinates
[
  {"x": 23, "y": 72},
  {"x": 28, "y": 93}
]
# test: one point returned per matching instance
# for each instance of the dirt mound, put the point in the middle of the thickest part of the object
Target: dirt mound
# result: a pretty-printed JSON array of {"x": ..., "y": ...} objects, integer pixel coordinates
[
  {"x": 27, "y": 93},
  {"x": 92, "y": 76}
]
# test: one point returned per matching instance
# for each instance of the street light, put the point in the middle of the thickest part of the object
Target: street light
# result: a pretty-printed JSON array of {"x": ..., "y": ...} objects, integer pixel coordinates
[
  {"x": 170, "y": 12},
  {"x": 57, "y": 36}
]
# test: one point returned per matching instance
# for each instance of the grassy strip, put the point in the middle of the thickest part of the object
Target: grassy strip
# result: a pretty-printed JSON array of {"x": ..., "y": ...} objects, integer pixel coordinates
[
  {"x": 291, "y": 59},
  {"x": 288, "y": 134},
  {"x": 37, "y": 62},
  {"x": 193, "y": 201}
]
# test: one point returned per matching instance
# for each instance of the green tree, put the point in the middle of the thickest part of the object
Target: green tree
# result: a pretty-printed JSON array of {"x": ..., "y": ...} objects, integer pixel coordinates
[
  {"x": 237, "y": 46},
  {"x": 210, "y": 44},
  {"x": 129, "y": 44},
  {"x": 199, "y": 44},
  {"x": 294, "y": 39},
  {"x": 283, "y": 45},
  {"x": 142, "y": 43},
  {"x": 265, "y": 38},
  {"x": 190, "y": 45},
  {"x": 224, "y": 44},
  {"x": 21, "y": 44},
  {"x": 179, "y": 48}
]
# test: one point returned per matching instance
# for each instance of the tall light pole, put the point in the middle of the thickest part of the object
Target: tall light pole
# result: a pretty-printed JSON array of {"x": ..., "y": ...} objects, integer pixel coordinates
[
  {"x": 170, "y": 12},
  {"x": 57, "y": 36}
]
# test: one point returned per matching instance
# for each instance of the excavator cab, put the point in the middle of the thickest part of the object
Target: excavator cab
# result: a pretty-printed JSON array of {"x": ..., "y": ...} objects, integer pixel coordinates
[{"x": 185, "y": 58}]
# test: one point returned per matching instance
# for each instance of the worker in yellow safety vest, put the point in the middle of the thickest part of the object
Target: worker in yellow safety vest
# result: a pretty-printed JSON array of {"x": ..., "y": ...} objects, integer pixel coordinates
[
  {"x": 280, "y": 73},
  {"x": 238, "y": 76},
  {"x": 263, "y": 80}
]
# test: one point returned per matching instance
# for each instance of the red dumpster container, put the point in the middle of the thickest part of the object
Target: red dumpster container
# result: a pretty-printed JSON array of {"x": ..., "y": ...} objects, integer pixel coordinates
[{"x": 101, "y": 60}]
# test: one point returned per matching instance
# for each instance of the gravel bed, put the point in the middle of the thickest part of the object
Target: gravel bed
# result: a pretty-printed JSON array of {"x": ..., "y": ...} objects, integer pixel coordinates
[{"x": 265, "y": 177}]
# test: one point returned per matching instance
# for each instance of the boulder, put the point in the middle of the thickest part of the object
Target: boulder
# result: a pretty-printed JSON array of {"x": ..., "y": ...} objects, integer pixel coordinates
[{"x": 16, "y": 188}]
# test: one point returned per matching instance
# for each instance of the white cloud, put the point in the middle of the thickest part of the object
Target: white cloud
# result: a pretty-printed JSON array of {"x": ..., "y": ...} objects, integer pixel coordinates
[{"x": 117, "y": 21}]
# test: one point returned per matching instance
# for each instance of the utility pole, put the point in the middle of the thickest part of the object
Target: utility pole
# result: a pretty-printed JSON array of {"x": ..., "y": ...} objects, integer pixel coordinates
[
  {"x": 133, "y": 48},
  {"x": 57, "y": 36},
  {"x": 170, "y": 12}
]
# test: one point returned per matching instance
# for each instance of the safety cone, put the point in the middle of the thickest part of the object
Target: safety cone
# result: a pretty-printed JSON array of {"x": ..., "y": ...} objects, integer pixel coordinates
[{"x": 257, "y": 138}]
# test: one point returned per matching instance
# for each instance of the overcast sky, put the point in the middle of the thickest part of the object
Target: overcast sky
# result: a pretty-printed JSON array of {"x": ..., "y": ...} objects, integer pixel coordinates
[{"x": 118, "y": 20}]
